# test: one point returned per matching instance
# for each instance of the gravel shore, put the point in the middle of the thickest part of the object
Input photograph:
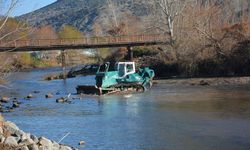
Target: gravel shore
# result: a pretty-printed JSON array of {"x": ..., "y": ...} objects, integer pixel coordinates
[
  {"x": 208, "y": 81},
  {"x": 12, "y": 138}
]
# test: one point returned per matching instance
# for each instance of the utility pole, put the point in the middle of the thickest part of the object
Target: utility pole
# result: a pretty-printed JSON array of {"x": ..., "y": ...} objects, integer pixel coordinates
[
  {"x": 63, "y": 64},
  {"x": 130, "y": 53}
]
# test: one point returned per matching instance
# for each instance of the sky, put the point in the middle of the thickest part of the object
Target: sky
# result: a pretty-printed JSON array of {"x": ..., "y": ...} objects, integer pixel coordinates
[{"x": 26, "y": 6}]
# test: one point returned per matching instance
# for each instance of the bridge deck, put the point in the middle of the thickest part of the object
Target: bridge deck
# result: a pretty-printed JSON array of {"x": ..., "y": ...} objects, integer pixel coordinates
[{"x": 83, "y": 43}]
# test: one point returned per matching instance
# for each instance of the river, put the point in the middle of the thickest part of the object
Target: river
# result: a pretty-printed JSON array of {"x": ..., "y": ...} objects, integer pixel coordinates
[{"x": 168, "y": 117}]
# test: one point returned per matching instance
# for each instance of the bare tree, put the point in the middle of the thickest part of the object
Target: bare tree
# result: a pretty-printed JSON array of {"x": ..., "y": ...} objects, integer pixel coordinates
[
  {"x": 7, "y": 7},
  {"x": 214, "y": 27},
  {"x": 164, "y": 14},
  {"x": 112, "y": 8},
  {"x": 115, "y": 17}
]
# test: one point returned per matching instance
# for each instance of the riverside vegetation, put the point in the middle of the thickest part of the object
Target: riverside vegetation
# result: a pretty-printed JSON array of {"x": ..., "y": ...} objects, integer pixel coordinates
[{"x": 205, "y": 40}]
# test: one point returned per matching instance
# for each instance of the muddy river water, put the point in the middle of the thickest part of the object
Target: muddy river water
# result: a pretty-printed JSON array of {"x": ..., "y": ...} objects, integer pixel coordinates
[{"x": 168, "y": 117}]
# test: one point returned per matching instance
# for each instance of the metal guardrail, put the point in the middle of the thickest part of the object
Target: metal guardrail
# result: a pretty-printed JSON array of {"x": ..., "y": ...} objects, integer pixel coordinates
[{"x": 107, "y": 40}]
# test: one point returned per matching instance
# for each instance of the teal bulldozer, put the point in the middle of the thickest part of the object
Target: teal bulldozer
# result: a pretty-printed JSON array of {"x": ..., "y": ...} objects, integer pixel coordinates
[{"x": 121, "y": 77}]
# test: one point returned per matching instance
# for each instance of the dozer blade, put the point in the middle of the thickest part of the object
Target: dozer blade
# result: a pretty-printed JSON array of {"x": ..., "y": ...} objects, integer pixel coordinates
[{"x": 88, "y": 89}]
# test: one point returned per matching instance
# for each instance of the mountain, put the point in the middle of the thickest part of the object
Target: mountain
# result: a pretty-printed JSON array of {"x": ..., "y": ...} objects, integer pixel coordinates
[
  {"x": 83, "y": 14},
  {"x": 78, "y": 13}
]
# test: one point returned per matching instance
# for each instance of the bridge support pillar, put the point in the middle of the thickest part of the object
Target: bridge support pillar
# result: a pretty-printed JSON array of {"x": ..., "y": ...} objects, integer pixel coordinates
[
  {"x": 130, "y": 55},
  {"x": 63, "y": 64}
]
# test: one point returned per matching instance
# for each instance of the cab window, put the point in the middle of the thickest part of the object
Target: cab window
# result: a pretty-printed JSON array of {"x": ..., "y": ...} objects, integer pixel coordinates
[
  {"x": 121, "y": 70},
  {"x": 129, "y": 68}
]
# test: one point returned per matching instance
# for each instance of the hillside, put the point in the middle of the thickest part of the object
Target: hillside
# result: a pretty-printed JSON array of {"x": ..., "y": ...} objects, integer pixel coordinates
[
  {"x": 78, "y": 13},
  {"x": 82, "y": 14}
]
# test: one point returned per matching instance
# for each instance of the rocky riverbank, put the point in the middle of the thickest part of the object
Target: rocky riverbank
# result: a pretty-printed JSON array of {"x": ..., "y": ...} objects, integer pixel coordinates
[{"x": 12, "y": 138}]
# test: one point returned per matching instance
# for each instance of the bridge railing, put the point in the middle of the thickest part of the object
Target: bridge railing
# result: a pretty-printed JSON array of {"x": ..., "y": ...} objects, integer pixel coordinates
[{"x": 85, "y": 41}]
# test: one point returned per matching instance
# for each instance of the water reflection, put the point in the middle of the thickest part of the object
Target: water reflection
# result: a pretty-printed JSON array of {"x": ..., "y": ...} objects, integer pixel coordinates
[{"x": 220, "y": 103}]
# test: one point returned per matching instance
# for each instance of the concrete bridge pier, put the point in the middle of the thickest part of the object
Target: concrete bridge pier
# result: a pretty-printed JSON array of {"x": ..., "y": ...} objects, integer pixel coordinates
[
  {"x": 130, "y": 54},
  {"x": 63, "y": 56}
]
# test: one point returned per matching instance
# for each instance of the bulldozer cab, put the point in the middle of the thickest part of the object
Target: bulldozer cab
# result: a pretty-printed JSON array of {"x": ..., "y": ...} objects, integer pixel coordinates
[{"x": 125, "y": 68}]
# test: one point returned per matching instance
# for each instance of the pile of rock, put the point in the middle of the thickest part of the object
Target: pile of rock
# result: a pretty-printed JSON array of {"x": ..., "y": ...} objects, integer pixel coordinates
[
  {"x": 63, "y": 100},
  {"x": 4, "y": 99},
  {"x": 49, "y": 95},
  {"x": 11, "y": 137},
  {"x": 54, "y": 77},
  {"x": 8, "y": 105},
  {"x": 30, "y": 96}
]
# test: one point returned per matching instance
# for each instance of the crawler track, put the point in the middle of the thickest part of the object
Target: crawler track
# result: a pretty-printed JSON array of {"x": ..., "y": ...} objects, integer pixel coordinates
[{"x": 122, "y": 88}]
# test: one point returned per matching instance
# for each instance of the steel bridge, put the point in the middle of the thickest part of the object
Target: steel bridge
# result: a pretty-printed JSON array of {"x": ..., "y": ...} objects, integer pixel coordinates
[
  {"x": 128, "y": 41},
  {"x": 82, "y": 43}
]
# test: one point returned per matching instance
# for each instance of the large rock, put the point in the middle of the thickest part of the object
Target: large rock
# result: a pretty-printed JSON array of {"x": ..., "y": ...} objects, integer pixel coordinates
[
  {"x": 56, "y": 146},
  {"x": 26, "y": 142},
  {"x": 30, "y": 96},
  {"x": 45, "y": 144},
  {"x": 19, "y": 133},
  {"x": 5, "y": 99},
  {"x": 15, "y": 105},
  {"x": 11, "y": 127},
  {"x": 49, "y": 95},
  {"x": 1, "y": 130},
  {"x": 34, "y": 138},
  {"x": 11, "y": 141},
  {"x": 24, "y": 148},
  {"x": 25, "y": 136},
  {"x": 33, "y": 147},
  {"x": 82, "y": 143},
  {"x": 2, "y": 138},
  {"x": 62, "y": 147},
  {"x": 62, "y": 100}
]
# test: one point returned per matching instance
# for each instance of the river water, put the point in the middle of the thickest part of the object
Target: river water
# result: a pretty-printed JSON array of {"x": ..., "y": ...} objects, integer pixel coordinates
[{"x": 169, "y": 117}]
